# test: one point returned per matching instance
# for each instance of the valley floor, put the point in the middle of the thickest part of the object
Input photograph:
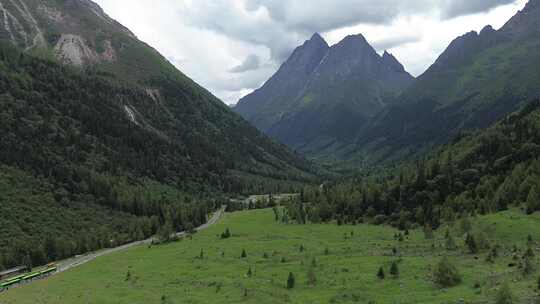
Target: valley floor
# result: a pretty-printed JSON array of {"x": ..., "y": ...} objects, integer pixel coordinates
[{"x": 344, "y": 261}]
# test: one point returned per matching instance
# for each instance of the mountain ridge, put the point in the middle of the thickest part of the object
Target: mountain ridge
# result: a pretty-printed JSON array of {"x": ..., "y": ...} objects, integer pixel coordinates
[{"x": 348, "y": 85}]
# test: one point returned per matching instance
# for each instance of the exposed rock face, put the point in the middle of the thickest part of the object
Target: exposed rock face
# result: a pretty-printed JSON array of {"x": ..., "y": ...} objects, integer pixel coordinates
[
  {"x": 526, "y": 22},
  {"x": 266, "y": 105},
  {"x": 18, "y": 25},
  {"x": 23, "y": 23},
  {"x": 71, "y": 49},
  {"x": 322, "y": 95}
]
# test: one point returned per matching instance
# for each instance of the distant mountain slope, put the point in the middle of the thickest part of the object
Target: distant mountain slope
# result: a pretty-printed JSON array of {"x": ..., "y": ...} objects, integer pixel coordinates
[
  {"x": 104, "y": 141},
  {"x": 477, "y": 80},
  {"x": 79, "y": 33},
  {"x": 321, "y": 95}
]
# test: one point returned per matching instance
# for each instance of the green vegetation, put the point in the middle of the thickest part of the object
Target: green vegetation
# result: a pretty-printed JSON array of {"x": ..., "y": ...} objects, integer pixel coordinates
[
  {"x": 87, "y": 162},
  {"x": 347, "y": 274},
  {"x": 480, "y": 173}
]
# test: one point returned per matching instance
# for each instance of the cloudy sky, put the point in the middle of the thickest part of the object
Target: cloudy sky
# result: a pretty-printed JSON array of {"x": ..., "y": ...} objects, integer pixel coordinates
[{"x": 232, "y": 46}]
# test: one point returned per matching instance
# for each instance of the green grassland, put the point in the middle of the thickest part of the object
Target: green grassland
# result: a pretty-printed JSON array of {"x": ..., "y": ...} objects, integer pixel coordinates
[{"x": 176, "y": 273}]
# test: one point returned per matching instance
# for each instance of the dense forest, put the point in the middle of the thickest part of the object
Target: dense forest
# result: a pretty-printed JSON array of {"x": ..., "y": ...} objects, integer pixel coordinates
[
  {"x": 478, "y": 173},
  {"x": 81, "y": 169}
]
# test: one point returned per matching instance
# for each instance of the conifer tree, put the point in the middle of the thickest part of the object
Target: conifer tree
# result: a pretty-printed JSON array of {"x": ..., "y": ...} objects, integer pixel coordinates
[
  {"x": 471, "y": 244},
  {"x": 380, "y": 273},
  {"x": 244, "y": 254},
  {"x": 533, "y": 201},
  {"x": 394, "y": 270},
  {"x": 290, "y": 281},
  {"x": 312, "y": 278}
]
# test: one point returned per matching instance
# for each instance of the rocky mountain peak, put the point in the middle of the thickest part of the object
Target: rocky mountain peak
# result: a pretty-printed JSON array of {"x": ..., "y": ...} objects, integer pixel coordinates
[
  {"x": 317, "y": 39},
  {"x": 390, "y": 61},
  {"x": 487, "y": 30},
  {"x": 525, "y": 22}
]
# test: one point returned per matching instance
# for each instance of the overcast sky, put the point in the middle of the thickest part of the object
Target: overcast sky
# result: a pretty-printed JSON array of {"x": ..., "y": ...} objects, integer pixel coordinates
[{"x": 232, "y": 46}]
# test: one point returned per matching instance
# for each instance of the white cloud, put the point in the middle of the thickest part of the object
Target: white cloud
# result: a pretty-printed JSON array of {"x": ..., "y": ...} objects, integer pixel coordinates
[
  {"x": 233, "y": 46},
  {"x": 251, "y": 63}
]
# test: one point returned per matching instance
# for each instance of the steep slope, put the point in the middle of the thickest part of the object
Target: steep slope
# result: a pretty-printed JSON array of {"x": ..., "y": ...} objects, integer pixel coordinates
[
  {"x": 483, "y": 172},
  {"x": 321, "y": 95},
  {"x": 477, "y": 80},
  {"x": 264, "y": 107},
  {"x": 104, "y": 141}
]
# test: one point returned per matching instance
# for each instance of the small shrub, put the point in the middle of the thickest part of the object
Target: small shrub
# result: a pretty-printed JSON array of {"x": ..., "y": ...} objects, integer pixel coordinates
[
  {"x": 446, "y": 274},
  {"x": 226, "y": 234},
  {"x": 504, "y": 296}
]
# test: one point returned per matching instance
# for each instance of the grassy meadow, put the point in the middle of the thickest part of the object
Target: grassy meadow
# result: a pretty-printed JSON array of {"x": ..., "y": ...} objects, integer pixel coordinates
[{"x": 330, "y": 263}]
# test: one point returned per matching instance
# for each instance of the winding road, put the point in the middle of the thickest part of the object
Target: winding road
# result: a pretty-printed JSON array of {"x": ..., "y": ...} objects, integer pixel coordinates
[{"x": 83, "y": 259}]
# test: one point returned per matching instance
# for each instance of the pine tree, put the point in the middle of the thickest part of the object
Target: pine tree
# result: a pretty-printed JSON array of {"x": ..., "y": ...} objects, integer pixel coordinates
[
  {"x": 244, "y": 254},
  {"x": 465, "y": 224},
  {"x": 249, "y": 273},
  {"x": 533, "y": 201},
  {"x": 201, "y": 254},
  {"x": 529, "y": 253},
  {"x": 27, "y": 261},
  {"x": 394, "y": 270},
  {"x": 471, "y": 244},
  {"x": 450, "y": 244},
  {"x": 312, "y": 278},
  {"x": 380, "y": 273},
  {"x": 428, "y": 232},
  {"x": 290, "y": 281},
  {"x": 528, "y": 266}
]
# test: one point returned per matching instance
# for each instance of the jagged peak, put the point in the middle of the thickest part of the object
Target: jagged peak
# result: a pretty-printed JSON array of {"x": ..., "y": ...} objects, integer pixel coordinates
[
  {"x": 391, "y": 61},
  {"x": 354, "y": 38},
  {"x": 531, "y": 5},
  {"x": 317, "y": 37},
  {"x": 487, "y": 29}
]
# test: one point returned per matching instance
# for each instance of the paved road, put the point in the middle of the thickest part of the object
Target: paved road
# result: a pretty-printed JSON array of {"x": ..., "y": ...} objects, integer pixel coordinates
[{"x": 83, "y": 259}]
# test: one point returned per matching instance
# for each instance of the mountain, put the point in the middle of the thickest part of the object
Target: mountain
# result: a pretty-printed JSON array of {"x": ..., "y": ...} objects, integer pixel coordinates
[
  {"x": 478, "y": 79},
  {"x": 483, "y": 172},
  {"x": 104, "y": 141},
  {"x": 321, "y": 94}
]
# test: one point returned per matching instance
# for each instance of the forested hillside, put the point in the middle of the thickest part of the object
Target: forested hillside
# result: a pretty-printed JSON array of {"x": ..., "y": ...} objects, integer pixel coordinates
[
  {"x": 103, "y": 141},
  {"x": 482, "y": 172},
  {"x": 480, "y": 78}
]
